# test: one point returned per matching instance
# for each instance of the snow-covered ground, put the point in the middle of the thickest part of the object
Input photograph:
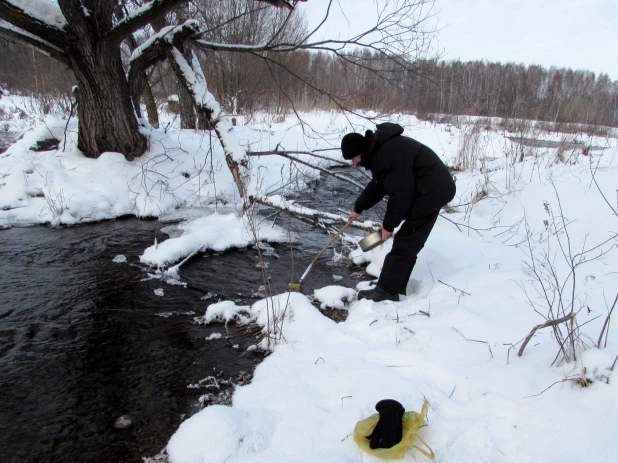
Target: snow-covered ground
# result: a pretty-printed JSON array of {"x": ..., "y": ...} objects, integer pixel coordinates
[{"x": 453, "y": 340}]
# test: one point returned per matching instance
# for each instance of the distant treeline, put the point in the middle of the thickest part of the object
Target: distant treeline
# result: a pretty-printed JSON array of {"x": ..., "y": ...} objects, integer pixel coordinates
[{"x": 306, "y": 81}]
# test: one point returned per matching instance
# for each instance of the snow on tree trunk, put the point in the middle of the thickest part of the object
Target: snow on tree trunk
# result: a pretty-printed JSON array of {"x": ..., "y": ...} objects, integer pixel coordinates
[{"x": 192, "y": 77}]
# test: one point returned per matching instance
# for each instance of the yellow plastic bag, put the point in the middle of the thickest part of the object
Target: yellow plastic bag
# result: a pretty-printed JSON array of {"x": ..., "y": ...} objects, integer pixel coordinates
[{"x": 411, "y": 421}]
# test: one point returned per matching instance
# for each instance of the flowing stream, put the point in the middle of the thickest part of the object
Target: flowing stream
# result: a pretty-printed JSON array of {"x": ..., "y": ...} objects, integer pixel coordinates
[{"x": 85, "y": 340}]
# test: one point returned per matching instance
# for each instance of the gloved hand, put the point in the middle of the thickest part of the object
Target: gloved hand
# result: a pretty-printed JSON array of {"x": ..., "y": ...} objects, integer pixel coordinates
[{"x": 389, "y": 429}]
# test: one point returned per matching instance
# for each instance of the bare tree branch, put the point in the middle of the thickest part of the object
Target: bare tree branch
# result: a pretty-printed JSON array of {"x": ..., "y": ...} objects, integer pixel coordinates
[
  {"x": 141, "y": 17},
  {"x": 282, "y": 3},
  {"x": 609, "y": 315},
  {"x": 286, "y": 155},
  {"x": 543, "y": 325},
  {"x": 155, "y": 50}
]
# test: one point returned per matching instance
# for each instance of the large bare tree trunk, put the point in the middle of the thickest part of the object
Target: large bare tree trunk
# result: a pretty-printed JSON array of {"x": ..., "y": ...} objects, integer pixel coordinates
[{"x": 106, "y": 114}]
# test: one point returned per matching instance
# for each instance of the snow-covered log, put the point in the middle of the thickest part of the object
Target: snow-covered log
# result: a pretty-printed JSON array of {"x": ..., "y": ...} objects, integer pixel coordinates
[
  {"x": 312, "y": 216},
  {"x": 142, "y": 16}
]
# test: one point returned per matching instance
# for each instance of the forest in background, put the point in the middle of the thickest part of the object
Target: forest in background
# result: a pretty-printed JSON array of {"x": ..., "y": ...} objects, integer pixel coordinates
[{"x": 305, "y": 80}]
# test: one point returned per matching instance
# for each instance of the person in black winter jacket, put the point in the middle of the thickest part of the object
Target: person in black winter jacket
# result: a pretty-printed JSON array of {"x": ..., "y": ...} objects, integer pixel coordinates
[{"x": 418, "y": 185}]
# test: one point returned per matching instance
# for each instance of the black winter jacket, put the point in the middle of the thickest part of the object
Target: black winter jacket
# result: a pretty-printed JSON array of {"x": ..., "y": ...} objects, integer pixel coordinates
[{"x": 415, "y": 179}]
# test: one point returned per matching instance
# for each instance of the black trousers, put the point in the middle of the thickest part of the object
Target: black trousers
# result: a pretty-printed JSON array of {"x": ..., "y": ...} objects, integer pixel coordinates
[{"x": 407, "y": 243}]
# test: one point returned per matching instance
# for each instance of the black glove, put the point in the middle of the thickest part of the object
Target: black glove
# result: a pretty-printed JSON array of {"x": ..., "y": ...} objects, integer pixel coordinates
[{"x": 389, "y": 429}]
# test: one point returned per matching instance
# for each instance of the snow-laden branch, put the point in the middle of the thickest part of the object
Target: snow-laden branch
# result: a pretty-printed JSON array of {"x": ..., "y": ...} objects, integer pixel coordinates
[
  {"x": 142, "y": 16},
  {"x": 196, "y": 84},
  {"x": 282, "y": 3},
  {"x": 193, "y": 79},
  {"x": 156, "y": 49},
  {"x": 169, "y": 35},
  {"x": 312, "y": 216},
  {"x": 37, "y": 17},
  {"x": 15, "y": 34}
]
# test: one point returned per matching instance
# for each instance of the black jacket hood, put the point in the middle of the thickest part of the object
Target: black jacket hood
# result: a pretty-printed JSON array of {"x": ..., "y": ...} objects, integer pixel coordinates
[{"x": 383, "y": 133}]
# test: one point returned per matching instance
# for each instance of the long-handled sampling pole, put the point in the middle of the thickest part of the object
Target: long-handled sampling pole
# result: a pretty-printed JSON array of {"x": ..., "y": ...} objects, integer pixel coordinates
[{"x": 300, "y": 282}]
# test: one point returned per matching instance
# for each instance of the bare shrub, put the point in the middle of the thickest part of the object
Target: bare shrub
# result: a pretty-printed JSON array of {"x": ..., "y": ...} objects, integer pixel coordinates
[
  {"x": 553, "y": 266},
  {"x": 48, "y": 103},
  {"x": 470, "y": 149}
]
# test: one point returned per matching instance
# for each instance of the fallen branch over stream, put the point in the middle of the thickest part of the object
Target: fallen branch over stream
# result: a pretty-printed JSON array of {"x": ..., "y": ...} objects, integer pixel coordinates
[{"x": 313, "y": 217}]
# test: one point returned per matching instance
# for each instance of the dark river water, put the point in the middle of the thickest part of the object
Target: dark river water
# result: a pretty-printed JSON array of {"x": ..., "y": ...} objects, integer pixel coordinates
[{"x": 85, "y": 340}]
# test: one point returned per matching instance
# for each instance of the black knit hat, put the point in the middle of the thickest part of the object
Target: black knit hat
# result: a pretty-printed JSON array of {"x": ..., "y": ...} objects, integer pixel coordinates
[{"x": 352, "y": 145}]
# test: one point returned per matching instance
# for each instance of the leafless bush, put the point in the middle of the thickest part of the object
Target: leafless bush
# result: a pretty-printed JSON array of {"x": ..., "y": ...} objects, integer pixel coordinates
[
  {"x": 48, "y": 103},
  {"x": 553, "y": 265},
  {"x": 560, "y": 151},
  {"x": 471, "y": 148},
  {"x": 56, "y": 203},
  {"x": 276, "y": 308}
]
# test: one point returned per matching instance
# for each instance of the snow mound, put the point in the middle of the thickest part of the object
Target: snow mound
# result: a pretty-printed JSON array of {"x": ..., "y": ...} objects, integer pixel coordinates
[
  {"x": 227, "y": 311},
  {"x": 334, "y": 297},
  {"x": 219, "y": 433},
  {"x": 216, "y": 231}
]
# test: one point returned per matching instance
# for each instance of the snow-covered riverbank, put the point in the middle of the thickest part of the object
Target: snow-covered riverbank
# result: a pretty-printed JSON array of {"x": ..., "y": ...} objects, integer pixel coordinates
[{"x": 453, "y": 340}]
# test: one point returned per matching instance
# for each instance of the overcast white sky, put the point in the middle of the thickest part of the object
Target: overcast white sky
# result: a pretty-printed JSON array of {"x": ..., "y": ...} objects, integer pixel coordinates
[{"x": 578, "y": 34}]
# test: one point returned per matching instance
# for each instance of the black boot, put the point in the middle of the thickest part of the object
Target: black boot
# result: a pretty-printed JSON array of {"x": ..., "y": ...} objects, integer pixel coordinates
[{"x": 377, "y": 294}]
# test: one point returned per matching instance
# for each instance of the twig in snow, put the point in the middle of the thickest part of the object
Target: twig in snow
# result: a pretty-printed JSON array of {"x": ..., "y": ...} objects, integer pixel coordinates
[
  {"x": 508, "y": 352},
  {"x": 543, "y": 325},
  {"x": 474, "y": 340},
  {"x": 614, "y": 364},
  {"x": 345, "y": 397},
  {"x": 615, "y": 211},
  {"x": 453, "y": 391},
  {"x": 606, "y": 323},
  {"x": 431, "y": 273},
  {"x": 484, "y": 342},
  {"x": 456, "y": 289},
  {"x": 73, "y": 103},
  {"x": 549, "y": 387}
]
